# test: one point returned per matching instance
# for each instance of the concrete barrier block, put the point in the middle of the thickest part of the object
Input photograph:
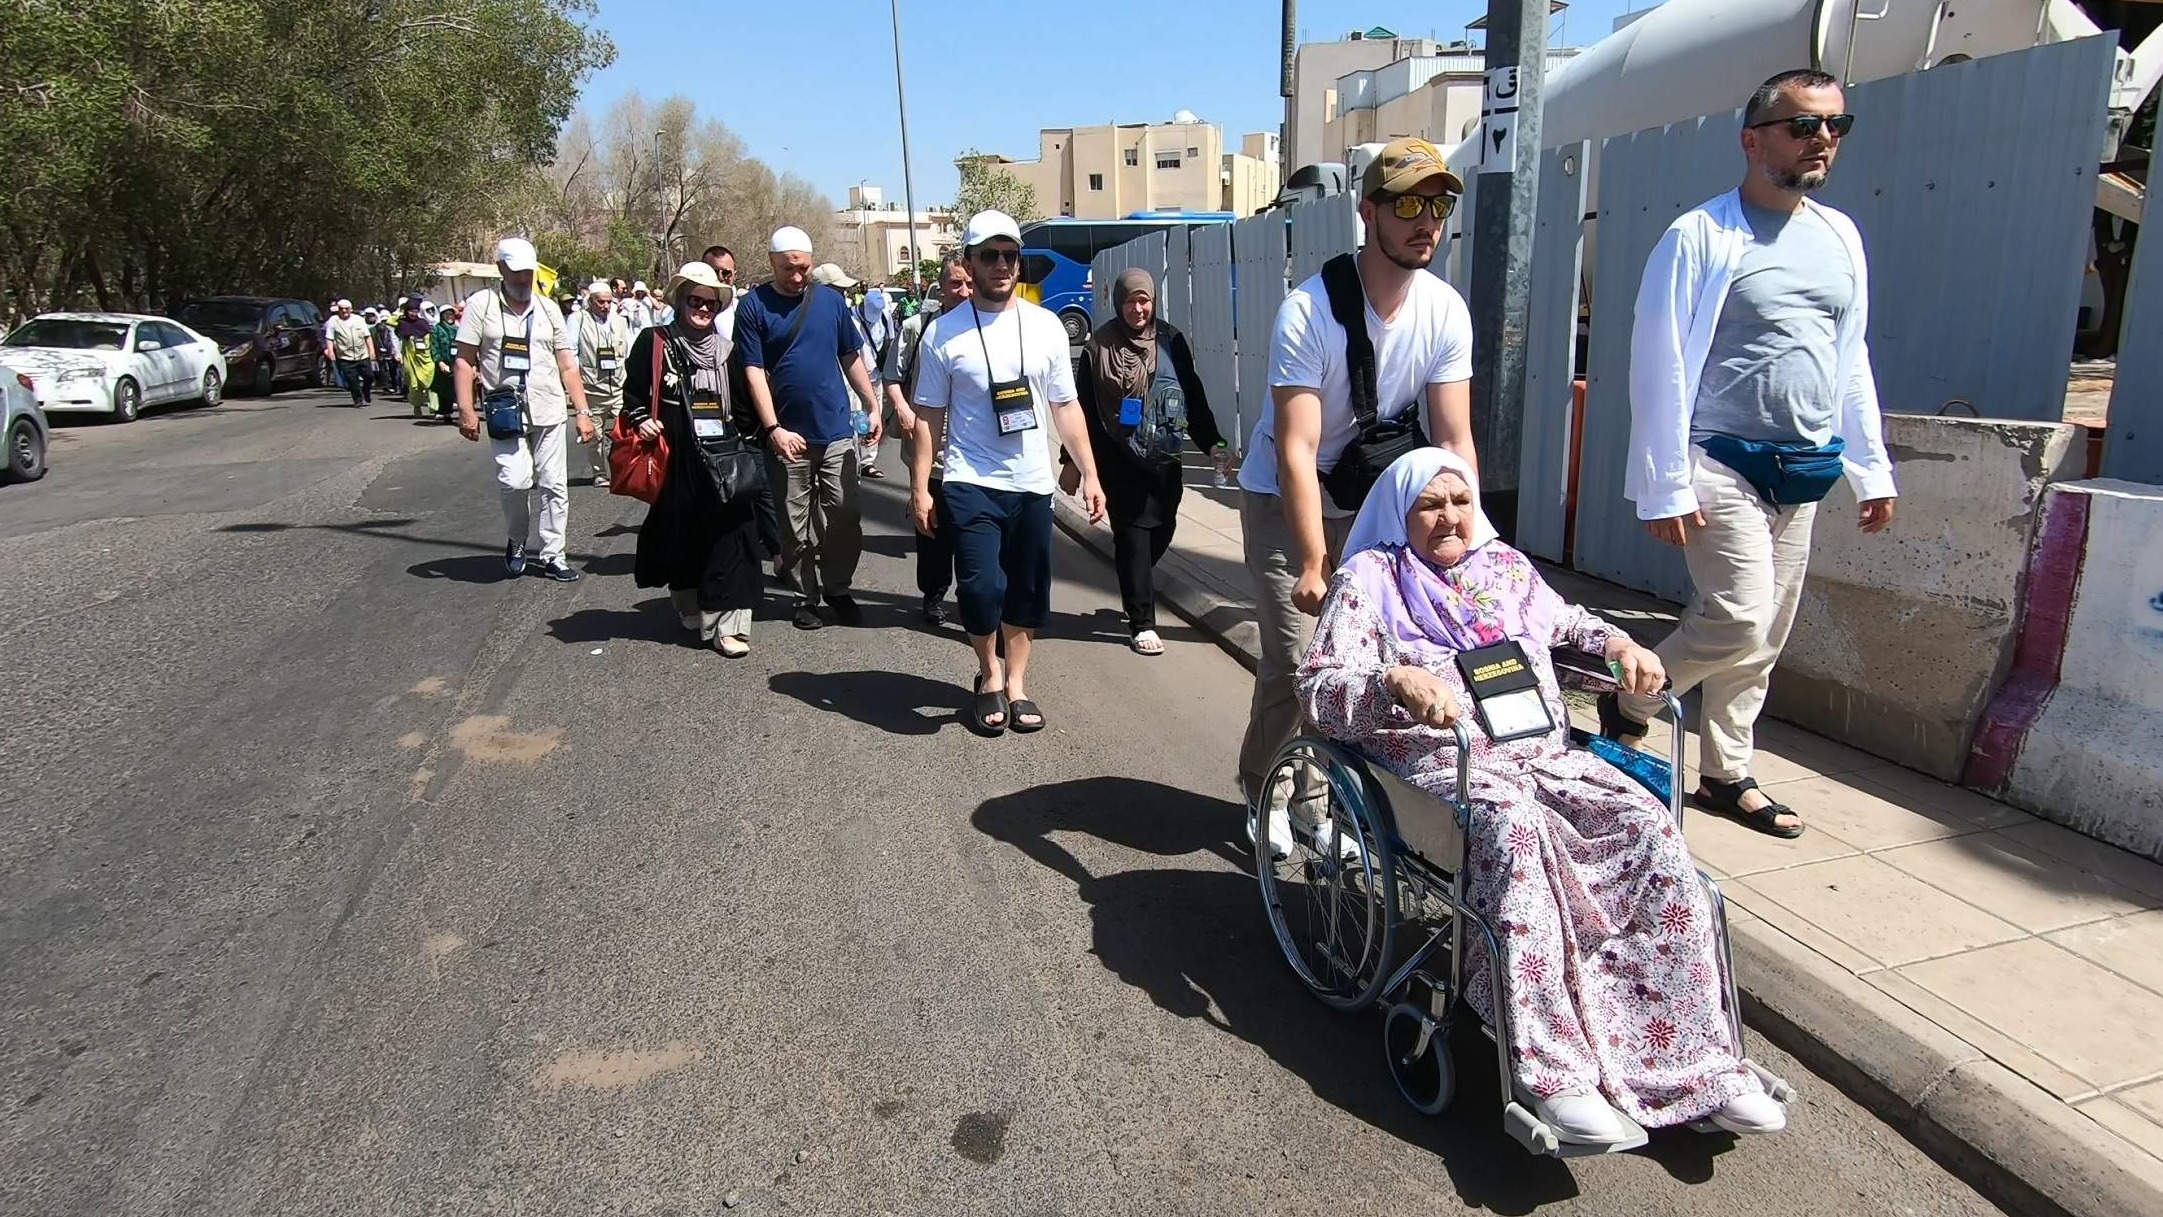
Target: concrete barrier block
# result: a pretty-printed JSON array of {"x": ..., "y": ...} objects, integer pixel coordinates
[
  {"x": 1902, "y": 637},
  {"x": 2092, "y": 757}
]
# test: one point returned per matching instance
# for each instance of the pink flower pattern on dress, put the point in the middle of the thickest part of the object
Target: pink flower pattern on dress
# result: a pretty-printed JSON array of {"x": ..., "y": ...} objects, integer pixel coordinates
[{"x": 1605, "y": 931}]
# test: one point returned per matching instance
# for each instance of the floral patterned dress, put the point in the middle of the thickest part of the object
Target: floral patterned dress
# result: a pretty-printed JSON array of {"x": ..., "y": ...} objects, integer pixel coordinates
[{"x": 1584, "y": 876}]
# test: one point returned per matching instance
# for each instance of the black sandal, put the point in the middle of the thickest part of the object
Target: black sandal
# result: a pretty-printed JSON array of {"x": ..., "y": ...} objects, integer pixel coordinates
[
  {"x": 985, "y": 705},
  {"x": 1725, "y": 798},
  {"x": 1614, "y": 724},
  {"x": 1019, "y": 708}
]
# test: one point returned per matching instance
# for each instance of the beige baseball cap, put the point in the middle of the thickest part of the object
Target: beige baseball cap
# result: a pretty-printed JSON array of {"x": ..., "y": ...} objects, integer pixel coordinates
[{"x": 1403, "y": 164}]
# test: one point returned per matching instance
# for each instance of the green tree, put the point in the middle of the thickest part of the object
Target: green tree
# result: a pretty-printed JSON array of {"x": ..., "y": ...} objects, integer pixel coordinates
[
  {"x": 985, "y": 185},
  {"x": 160, "y": 149}
]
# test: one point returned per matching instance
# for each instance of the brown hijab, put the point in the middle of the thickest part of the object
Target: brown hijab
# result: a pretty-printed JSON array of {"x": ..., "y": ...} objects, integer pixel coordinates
[{"x": 1124, "y": 359}]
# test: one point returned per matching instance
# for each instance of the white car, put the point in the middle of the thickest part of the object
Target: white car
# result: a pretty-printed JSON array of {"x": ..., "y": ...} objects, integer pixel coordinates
[{"x": 114, "y": 363}]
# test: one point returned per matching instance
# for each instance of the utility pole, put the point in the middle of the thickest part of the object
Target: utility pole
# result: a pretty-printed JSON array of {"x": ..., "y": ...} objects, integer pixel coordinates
[
  {"x": 908, "y": 183},
  {"x": 1505, "y": 207},
  {"x": 1288, "y": 69}
]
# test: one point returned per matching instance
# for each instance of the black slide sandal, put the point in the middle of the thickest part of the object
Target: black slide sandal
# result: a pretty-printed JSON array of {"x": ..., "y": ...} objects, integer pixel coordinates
[
  {"x": 986, "y": 704},
  {"x": 1019, "y": 708},
  {"x": 1725, "y": 798}
]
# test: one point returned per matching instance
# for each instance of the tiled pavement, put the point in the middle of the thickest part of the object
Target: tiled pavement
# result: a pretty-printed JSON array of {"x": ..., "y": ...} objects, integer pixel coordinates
[{"x": 2039, "y": 947}]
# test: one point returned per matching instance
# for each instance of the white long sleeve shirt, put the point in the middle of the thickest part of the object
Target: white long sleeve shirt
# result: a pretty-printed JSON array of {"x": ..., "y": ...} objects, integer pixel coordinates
[{"x": 1679, "y": 299}]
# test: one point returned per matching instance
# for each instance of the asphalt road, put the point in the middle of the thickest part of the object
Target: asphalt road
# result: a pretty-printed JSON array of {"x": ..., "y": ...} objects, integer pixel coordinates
[{"x": 343, "y": 875}]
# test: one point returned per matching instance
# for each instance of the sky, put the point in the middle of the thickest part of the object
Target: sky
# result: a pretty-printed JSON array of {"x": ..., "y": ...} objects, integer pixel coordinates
[{"x": 809, "y": 84}]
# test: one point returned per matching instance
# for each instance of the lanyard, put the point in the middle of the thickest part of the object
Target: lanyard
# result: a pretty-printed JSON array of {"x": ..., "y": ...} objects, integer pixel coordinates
[{"x": 1020, "y": 345}]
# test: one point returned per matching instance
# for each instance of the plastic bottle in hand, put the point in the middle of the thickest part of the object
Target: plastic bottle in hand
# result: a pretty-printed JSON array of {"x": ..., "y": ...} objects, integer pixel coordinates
[{"x": 1222, "y": 459}]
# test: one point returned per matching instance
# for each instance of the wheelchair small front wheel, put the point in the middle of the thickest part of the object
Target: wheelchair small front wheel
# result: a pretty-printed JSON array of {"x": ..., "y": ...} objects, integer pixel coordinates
[{"x": 1417, "y": 1047}]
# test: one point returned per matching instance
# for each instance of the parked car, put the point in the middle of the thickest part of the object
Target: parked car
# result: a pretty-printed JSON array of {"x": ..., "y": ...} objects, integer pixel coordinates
[
  {"x": 114, "y": 363},
  {"x": 267, "y": 340},
  {"x": 26, "y": 430}
]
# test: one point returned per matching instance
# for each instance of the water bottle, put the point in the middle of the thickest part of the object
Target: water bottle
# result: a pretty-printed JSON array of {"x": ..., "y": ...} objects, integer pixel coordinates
[{"x": 860, "y": 422}]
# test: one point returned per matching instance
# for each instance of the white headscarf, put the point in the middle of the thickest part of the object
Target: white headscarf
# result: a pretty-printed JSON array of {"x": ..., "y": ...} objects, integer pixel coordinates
[{"x": 1381, "y": 517}]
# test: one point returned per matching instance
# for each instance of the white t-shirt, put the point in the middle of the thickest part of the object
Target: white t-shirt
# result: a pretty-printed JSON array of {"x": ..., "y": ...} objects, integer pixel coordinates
[
  {"x": 483, "y": 327},
  {"x": 952, "y": 373},
  {"x": 1428, "y": 343}
]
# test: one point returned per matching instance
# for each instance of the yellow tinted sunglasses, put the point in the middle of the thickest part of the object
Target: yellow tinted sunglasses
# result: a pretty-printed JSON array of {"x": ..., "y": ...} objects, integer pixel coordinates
[{"x": 1408, "y": 206}]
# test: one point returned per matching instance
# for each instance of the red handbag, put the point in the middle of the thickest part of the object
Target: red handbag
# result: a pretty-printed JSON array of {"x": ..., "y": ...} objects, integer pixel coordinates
[{"x": 637, "y": 466}]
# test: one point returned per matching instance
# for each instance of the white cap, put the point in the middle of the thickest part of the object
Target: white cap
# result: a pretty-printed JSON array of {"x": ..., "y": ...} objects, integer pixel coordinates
[
  {"x": 516, "y": 253},
  {"x": 638, "y": 287},
  {"x": 827, "y": 274},
  {"x": 343, "y": 303},
  {"x": 985, "y": 225},
  {"x": 600, "y": 285},
  {"x": 790, "y": 240}
]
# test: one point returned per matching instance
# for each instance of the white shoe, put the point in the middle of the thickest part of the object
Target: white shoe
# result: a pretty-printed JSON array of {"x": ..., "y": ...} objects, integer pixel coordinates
[
  {"x": 1582, "y": 1116},
  {"x": 732, "y": 646},
  {"x": 1280, "y": 833},
  {"x": 1752, "y": 1113},
  {"x": 1348, "y": 847}
]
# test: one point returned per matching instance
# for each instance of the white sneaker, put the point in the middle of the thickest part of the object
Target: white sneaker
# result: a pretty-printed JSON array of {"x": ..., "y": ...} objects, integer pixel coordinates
[
  {"x": 1582, "y": 1116},
  {"x": 1348, "y": 847},
  {"x": 1280, "y": 833},
  {"x": 1752, "y": 1113}
]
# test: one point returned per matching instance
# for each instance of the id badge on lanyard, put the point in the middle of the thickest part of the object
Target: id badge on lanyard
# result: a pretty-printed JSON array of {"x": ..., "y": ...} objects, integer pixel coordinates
[
  {"x": 1013, "y": 402},
  {"x": 604, "y": 358},
  {"x": 708, "y": 419},
  {"x": 516, "y": 357}
]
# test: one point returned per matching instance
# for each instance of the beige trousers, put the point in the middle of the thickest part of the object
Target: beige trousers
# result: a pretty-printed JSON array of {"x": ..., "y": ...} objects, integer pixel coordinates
[
  {"x": 822, "y": 532},
  {"x": 1274, "y": 717},
  {"x": 1747, "y": 567}
]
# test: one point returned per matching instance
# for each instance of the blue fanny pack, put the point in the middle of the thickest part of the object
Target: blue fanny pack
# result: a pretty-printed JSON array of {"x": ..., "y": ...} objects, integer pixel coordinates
[{"x": 1785, "y": 474}]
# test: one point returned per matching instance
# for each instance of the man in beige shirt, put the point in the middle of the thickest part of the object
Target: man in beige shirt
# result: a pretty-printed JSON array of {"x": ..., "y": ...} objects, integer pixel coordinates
[{"x": 601, "y": 339}]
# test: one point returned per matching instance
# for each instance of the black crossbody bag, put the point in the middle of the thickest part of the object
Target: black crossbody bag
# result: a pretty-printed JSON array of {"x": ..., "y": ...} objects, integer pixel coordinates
[{"x": 1380, "y": 441}]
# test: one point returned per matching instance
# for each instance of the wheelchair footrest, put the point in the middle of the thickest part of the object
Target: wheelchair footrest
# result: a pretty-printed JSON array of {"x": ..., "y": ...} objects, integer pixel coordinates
[{"x": 1534, "y": 1134}]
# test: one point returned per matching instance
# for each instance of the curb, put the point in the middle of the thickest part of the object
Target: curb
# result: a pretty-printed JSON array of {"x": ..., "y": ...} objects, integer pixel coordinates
[{"x": 2014, "y": 1142}]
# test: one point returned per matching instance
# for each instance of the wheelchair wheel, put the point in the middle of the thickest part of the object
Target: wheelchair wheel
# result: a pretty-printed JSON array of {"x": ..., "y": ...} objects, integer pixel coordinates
[
  {"x": 1331, "y": 892},
  {"x": 1417, "y": 1047}
]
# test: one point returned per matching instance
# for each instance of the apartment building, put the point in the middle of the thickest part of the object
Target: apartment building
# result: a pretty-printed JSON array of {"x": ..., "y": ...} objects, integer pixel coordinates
[
  {"x": 873, "y": 238},
  {"x": 1109, "y": 171},
  {"x": 1436, "y": 97},
  {"x": 1316, "y": 69}
]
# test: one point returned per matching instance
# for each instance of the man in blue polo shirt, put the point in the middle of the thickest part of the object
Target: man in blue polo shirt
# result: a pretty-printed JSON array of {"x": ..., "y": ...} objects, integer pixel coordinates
[{"x": 802, "y": 357}]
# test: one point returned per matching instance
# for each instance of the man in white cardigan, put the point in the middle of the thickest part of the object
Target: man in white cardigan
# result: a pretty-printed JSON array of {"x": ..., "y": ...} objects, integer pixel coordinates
[{"x": 1750, "y": 396}]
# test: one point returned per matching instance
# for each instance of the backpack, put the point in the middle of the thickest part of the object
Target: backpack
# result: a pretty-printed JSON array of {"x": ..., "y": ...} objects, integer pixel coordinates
[{"x": 1160, "y": 435}]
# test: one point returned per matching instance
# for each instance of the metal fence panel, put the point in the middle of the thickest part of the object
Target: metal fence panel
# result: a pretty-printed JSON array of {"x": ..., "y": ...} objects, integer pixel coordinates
[
  {"x": 1550, "y": 349},
  {"x": 1210, "y": 330},
  {"x": 1173, "y": 291},
  {"x": 1973, "y": 185},
  {"x": 2133, "y": 448},
  {"x": 1259, "y": 245},
  {"x": 1320, "y": 231}
]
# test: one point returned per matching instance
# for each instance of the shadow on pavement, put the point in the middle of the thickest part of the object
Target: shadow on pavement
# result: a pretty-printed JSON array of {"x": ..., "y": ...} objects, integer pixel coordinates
[
  {"x": 649, "y": 621},
  {"x": 1197, "y": 942},
  {"x": 894, "y": 702},
  {"x": 466, "y": 568}
]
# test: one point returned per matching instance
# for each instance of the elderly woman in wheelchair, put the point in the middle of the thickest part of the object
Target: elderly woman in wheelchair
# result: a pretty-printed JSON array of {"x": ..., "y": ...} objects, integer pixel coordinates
[{"x": 1613, "y": 955}]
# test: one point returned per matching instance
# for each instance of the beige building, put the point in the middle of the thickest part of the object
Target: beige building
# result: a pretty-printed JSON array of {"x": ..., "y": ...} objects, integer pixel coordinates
[
  {"x": 873, "y": 239},
  {"x": 1103, "y": 173},
  {"x": 1316, "y": 69},
  {"x": 1436, "y": 97}
]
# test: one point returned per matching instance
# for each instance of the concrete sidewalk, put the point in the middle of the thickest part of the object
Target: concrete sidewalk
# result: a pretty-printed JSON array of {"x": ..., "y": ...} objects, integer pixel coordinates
[{"x": 1990, "y": 983}]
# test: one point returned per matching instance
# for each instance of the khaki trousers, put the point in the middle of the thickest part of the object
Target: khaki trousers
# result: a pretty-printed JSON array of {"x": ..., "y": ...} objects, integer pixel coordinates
[
  {"x": 1274, "y": 717},
  {"x": 1746, "y": 565},
  {"x": 822, "y": 530}
]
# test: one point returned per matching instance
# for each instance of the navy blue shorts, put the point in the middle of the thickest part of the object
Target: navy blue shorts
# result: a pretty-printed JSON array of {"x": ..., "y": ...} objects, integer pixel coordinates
[{"x": 1002, "y": 556}]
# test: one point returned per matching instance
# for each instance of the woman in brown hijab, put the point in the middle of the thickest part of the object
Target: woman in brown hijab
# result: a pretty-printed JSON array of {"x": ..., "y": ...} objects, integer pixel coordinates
[{"x": 1129, "y": 368}]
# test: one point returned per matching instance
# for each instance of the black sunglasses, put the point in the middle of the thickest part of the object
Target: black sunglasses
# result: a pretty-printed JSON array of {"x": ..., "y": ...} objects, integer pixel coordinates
[
  {"x": 694, "y": 300},
  {"x": 1803, "y": 126},
  {"x": 992, "y": 257}
]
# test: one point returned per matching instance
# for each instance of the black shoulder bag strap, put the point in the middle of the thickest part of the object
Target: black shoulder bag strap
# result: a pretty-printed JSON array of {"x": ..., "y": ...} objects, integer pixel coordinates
[{"x": 1348, "y": 304}]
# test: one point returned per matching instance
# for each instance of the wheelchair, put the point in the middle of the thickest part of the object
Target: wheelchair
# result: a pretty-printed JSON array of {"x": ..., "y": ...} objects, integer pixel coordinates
[{"x": 1376, "y": 861}]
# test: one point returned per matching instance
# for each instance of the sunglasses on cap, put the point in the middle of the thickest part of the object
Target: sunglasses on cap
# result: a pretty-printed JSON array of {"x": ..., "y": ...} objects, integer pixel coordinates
[
  {"x": 1803, "y": 126},
  {"x": 1409, "y": 206},
  {"x": 992, "y": 257}
]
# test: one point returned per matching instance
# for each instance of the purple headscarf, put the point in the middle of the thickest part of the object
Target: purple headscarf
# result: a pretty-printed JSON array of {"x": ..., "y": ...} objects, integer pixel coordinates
[{"x": 1489, "y": 595}]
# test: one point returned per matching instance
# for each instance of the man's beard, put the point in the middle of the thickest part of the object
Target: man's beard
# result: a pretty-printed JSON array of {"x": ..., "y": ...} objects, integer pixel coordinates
[
  {"x": 516, "y": 294},
  {"x": 995, "y": 295},
  {"x": 1406, "y": 258},
  {"x": 1795, "y": 182}
]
